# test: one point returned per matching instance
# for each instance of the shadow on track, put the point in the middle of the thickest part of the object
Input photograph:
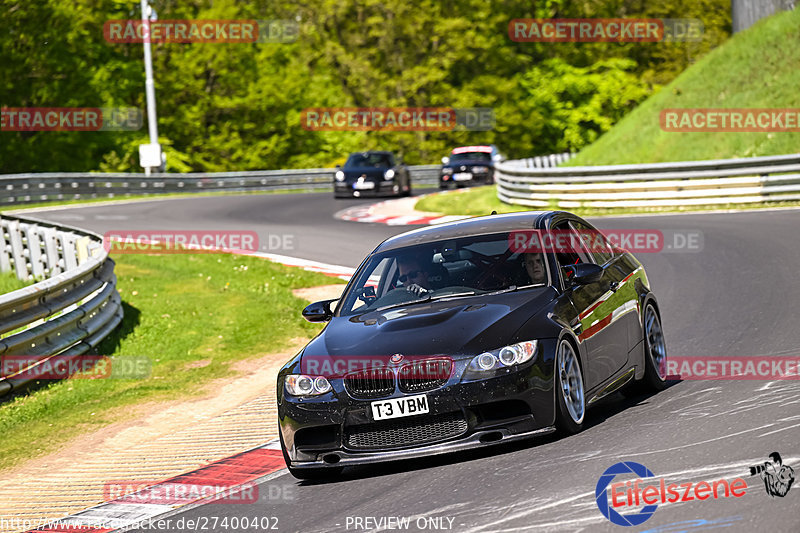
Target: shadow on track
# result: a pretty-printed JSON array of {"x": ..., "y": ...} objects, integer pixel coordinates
[{"x": 614, "y": 404}]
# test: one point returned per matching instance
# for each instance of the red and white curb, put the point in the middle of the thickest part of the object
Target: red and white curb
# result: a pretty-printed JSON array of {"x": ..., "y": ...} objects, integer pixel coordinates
[
  {"x": 368, "y": 214},
  {"x": 246, "y": 468},
  {"x": 335, "y": 271}
]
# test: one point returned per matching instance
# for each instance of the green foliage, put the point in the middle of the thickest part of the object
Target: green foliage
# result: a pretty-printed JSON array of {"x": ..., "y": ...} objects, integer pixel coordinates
[
  {"x": 576, "y": 105},
  {"x": 238, "y": 106},
  {"x": 755, "y": 69}
]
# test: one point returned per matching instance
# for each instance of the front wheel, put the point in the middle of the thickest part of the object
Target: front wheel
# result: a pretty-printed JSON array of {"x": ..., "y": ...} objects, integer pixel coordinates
[{"x": 571, "y": 401}]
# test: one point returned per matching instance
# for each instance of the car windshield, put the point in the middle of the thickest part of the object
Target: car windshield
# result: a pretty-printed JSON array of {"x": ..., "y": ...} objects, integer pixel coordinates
[
  {"x": 472, "y": 156},
  {"x": 369, "y": 160},
  {"x": 455, "y": 268}
]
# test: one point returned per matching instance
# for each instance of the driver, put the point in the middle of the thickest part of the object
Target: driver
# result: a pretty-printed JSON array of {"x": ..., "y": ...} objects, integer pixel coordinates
[
  {"x": 534, "y": 265},
  {"x": 412, "y": 275}
]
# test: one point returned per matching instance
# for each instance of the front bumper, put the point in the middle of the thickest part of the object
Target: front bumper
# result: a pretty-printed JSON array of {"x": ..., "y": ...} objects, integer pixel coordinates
[
  {"x": 478, "y": 439},
  {"x": 382, "y": 187},
  {"x": 477, "y": 179},
  {"x": 516, "y": 404}
]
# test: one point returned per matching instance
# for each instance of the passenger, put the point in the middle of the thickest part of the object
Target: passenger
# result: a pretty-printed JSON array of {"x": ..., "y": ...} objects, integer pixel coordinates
[{"x": 534, "y": 265}]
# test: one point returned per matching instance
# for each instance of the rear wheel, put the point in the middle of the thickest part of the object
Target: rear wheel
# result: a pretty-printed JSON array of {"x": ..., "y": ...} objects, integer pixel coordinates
[
  {"x": 571, "y": 401},
  {"x": 655, "y": 356}
]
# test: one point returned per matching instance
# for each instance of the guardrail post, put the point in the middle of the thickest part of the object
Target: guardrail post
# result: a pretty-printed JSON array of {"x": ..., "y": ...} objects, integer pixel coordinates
[
  {"x": 34, "y": 250},
  {"x": 18, "y": 250},
  {"x": 5, "y": 247}
]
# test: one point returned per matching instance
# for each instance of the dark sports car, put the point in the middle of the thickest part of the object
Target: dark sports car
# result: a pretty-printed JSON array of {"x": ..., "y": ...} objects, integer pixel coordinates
[
  {"x": 469, "y": 165},
  {"x": 371, "y": 174},
  {"x": 465, "y": 334}
]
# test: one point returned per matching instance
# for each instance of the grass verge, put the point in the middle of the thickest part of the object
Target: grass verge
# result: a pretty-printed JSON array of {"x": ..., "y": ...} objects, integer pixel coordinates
[
  {"x": 9, "y": 282},
  {"x": 755, "y": 68},
  {"x": 483, "y": 200},
  {"x": 192, "y": 316}
]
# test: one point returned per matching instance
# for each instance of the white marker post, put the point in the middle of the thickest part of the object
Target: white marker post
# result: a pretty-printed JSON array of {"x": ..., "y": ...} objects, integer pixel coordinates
[{"x": 150, "y": 156}]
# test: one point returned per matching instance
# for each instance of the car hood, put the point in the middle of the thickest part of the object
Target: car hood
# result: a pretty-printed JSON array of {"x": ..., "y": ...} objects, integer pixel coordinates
[
  {"x": 461, "y": 326},
  {"x": 469, "y": 163}
]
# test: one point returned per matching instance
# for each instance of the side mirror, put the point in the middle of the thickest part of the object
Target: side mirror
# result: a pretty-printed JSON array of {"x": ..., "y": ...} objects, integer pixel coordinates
[
  {"x": 319, "y": 311},
  {"x": 583, "y": 273},
  {"x": 445, "y": 160},
  {"x": 497, "y": 158}
]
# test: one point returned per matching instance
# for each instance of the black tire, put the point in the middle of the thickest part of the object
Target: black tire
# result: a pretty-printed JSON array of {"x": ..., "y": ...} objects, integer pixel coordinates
[
  {"x": 655, "y": 354},
  {"x": 653, "y": 380},
  {"x": 567, "y": 420}
]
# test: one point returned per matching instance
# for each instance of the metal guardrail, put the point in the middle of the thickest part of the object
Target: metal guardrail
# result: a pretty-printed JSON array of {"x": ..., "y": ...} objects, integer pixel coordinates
[
  {"x": 43, "y": 187},
  {"x": 66, "y": 314},
  {"x": 688, "y": 183},
  {"x": 542, "y": 161}
]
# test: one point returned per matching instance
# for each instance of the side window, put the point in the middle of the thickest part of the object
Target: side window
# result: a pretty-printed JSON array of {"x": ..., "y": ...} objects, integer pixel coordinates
[
  {"x": 567, "y": 246},
  {"x": 598, "y": 246}
]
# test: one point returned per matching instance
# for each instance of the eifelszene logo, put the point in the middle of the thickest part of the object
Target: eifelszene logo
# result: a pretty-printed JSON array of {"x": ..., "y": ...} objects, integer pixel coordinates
[{"x": 634, "y": 494}]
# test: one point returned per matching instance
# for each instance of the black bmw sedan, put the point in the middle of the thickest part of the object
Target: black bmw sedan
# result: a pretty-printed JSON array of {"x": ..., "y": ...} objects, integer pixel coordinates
[
  {"x": 466, "y": 334},
  {"x": 371, "y": 174}
]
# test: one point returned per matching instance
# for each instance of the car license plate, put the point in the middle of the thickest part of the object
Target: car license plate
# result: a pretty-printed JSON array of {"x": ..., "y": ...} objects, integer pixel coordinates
[
  {"x": 462, "y": 176},
  {"x": 399, "y": 407},
  {"x": 364, "y": 185}
]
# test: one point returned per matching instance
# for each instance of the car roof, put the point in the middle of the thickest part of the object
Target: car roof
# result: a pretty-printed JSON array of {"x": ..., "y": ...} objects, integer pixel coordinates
[
  {"x": 471, "y": 226},
  {"x": 382, "y": 152},
  {"x": 475, "y": 148}
]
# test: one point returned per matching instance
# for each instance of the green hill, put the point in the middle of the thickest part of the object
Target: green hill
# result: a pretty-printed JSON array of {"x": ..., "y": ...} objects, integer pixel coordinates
[{"x": 757, "y": 68}]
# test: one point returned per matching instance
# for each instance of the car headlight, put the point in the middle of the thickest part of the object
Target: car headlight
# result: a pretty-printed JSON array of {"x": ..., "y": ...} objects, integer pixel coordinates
[
  {"x": 480, "y": 170},
  {"x": 506, "y": 356},
  {"x": 302, "y": 385},
  {"x": 447, "y": 170},
  {"x": 339, "y": 175},
  {"x": 389, "y": 174}
]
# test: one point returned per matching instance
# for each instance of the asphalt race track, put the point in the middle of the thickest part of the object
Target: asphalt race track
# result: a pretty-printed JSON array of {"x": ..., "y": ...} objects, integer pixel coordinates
[{"x": 737, "y": 296}]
